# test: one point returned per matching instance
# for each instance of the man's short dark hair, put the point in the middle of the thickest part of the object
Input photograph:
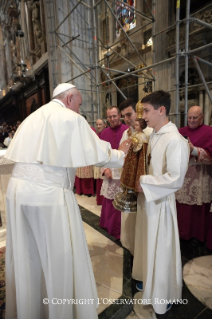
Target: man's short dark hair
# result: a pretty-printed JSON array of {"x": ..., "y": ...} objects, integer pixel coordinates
[
  {"x": 126, "y": 103},
  {"x": 157, "y": 99}
]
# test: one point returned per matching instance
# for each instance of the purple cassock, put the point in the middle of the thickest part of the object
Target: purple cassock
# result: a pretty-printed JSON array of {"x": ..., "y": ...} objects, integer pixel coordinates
[
  {"x": 110, "y": 218},
  {"x": 194, "y": 199}
]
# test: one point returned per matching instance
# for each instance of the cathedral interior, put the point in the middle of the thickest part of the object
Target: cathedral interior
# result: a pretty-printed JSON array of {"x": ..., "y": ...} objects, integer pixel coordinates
[{"x": 113, "y": 50}]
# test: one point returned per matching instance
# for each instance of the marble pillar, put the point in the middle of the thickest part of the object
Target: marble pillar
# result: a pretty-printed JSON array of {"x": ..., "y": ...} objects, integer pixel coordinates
[{"x": 207, "y": 109}]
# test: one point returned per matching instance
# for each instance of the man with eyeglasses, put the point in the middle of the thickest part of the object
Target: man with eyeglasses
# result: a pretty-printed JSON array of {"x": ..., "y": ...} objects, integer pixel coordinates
[
  {"x": 194, "y": 199},
  {"x": 110, "y": 218}
]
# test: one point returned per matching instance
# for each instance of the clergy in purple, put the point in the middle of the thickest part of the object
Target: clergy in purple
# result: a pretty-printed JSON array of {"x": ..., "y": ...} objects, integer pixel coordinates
[
  {"x": 194, "y": 199},
  {"x": 110, "y": 218}
]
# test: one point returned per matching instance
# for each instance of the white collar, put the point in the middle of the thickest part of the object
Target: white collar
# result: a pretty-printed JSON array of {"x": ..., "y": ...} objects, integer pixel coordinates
[{"x": 60, "y": 102}]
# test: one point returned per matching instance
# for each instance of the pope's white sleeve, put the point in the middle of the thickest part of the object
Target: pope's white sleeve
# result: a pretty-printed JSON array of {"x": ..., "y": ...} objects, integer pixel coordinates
[{"x": 115, "y": 159}]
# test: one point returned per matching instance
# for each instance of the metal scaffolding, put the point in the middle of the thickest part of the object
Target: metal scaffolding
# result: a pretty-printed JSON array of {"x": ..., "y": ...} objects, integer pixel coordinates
[{"x": 102, "y": 65}]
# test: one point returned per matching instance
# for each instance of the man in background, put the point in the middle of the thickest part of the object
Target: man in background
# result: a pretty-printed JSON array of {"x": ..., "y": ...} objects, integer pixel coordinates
[
  {"x": 110, "y": 218},
  {"x": 194, "y": 199},
  {"x": 100, "y": 125}
]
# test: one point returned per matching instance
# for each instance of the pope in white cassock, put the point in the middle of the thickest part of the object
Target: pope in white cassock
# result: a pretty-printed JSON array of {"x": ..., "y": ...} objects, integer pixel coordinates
[
  {"x": 157, "y": 258},
  {"x": 48, "y": 268}
]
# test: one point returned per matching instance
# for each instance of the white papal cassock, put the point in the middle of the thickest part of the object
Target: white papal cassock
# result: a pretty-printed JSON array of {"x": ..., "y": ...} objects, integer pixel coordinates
[
  {"x": 157, "y": 258},
  {"x": 48, "y": 268}
]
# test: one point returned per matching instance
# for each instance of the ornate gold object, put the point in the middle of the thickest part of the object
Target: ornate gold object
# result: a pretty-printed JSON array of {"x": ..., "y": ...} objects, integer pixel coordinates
[
  {"x": 126, "y": 202},
  {"x": 135, "y": 140},
  {"x": 139, "y": 110}
]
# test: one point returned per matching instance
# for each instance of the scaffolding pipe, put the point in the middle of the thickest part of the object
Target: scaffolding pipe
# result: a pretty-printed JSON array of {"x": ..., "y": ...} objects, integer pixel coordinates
[
  {"x": 52, "y": 44},
  {"x": 167, "y": 29},
  {"x": 203, "y": 23},
  {"x": 98, "y": 2},
  {"x": 143, "y": 69},
  {"x": 91, "y": 54},
  {"x": 72, "y": 39},
  {"x": 202, "y": 77},
  {"x": 85, "y": 4},
  {"x": 121, "y": 56},
  {"x": 149, "y": 9},
  {"x": 206, "y": 46},
  {"x": 122, "y": 72},
  {"x": 117, "y": 88},
  {"x": 79, "y": 1},
  {"x": 153, "y": 39},
  {"x": 77, "y": 76},
  {"x": 133, "y": 32},
  {"x": 189, "y": 87},
  {"x": 96, "y": 59},
  {"x": 186, "y": 58},
  {"x": 203, "y": 61},
  {"x": 71, "y": 58},
  {"x": 187, "y": 53},
  {"x": 128, "y": 61},
  {"x": 74, "y": 63},
  {"x": 127, "y": 36},
  {"x": 177, "y": 61}
]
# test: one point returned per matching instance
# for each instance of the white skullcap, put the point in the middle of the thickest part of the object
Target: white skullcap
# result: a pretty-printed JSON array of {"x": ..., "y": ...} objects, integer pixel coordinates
[{"x": 62, "y": 88}]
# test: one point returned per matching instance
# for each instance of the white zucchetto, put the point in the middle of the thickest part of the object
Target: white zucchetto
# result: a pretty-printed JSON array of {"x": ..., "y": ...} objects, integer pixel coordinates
[{"x": 62, "y": 88}]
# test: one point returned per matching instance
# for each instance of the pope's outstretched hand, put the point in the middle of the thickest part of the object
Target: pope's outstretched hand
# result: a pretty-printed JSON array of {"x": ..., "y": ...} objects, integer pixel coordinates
[{"x": 124, "y": 146}]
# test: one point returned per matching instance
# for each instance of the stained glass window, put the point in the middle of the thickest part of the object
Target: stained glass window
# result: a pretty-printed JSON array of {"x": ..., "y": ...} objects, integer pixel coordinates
[{"x": 125, "y": 15}]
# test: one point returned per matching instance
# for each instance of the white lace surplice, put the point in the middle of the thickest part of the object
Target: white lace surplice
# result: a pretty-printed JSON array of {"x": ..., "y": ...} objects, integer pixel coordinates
[
  {"x": 85, "y": 172},
  {"x": 197, "y": 187},
  {"x": 110, "y": 187}
]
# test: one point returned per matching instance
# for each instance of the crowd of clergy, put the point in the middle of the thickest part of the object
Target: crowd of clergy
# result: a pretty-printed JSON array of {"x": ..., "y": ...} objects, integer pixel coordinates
[{"x": 193, "y": 200}]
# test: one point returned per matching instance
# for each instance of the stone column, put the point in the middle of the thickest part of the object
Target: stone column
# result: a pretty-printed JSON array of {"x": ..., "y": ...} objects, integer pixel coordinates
[
  {"x": 208, "y": 109},
  {"x": 43, "y": 28},
  {"x": 30, "y": 32}
]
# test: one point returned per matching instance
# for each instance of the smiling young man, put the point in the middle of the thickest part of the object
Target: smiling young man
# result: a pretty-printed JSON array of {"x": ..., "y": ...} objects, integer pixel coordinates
[
  {"x": 157, "y": 259},
  {"x": 128, "y": 221}
]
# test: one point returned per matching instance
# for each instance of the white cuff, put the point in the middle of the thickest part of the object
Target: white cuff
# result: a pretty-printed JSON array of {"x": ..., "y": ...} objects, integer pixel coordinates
[{"x": 195, "y": 151}]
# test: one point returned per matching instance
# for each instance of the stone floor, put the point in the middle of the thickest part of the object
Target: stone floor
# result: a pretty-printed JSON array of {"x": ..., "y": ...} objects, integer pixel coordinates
[
  {"x": 112, "y": 270},
  {"x": 197, "y": 275}
]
